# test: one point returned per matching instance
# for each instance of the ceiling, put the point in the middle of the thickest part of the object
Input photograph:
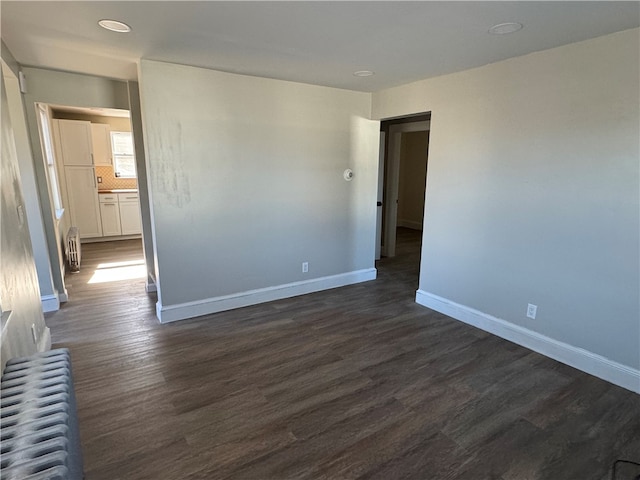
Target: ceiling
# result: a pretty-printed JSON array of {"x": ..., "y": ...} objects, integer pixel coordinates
[{"x": 320, "y": 43}]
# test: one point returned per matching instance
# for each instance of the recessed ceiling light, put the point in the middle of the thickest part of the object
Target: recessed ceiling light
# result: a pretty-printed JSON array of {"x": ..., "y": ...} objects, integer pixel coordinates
[
  {"x": 505, "y": 28},
  {"x": 114, "y": 26},
  {"x": 363, "y": 73}
]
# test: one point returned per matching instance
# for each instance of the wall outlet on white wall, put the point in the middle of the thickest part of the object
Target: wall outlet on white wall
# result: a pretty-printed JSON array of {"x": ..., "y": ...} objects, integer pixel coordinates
[
  {"x": 532, "y": 310},
  {"x": 305, "y": 267}
]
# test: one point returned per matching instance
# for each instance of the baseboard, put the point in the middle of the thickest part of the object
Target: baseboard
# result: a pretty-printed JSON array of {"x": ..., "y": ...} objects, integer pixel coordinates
[
  {"x": 409, "y": 224},
  {"x": 110, "y": 238},
  {"x": 171, "y": 313},
  {"x": 50, "y": 303},
  {"x": 589, "y": 362}
]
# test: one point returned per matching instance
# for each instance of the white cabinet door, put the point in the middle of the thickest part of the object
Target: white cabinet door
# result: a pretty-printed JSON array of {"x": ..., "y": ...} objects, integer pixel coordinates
[
  {"x": 83, "y": 201},
  {"x": 101, "y": 139},
  {"x": 75, "y": 142},
  {"x": 110, "y": 215},
  {"x": 130, "y": 217}
]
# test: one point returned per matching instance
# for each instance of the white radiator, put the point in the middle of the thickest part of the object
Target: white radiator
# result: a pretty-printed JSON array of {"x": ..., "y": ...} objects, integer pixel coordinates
[{"x": 73, "y": 249}]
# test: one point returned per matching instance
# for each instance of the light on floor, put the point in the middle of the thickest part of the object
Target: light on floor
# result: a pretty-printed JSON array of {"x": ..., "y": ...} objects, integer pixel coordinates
[{"x": 119, "y": 271}]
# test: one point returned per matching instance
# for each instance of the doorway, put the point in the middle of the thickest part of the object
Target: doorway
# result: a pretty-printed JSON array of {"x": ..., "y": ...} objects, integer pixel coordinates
[
  {"x": 91, "y": 171},
  {"x": 404, "y": 151}
]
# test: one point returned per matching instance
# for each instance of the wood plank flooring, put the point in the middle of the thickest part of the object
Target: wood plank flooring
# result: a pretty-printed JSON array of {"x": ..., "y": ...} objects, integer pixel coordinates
[{"x": 353, "y": 383}]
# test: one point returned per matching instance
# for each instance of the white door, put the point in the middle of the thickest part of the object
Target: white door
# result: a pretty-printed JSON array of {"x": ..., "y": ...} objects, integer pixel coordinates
[
  {"x": 75, "y": 142},
  {"x": 83, "y": 201},
  {"x": 380, "y": 195}
]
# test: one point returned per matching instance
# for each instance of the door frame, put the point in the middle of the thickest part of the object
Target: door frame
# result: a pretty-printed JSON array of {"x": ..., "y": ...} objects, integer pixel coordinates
[{"x": 392, "y": 180}]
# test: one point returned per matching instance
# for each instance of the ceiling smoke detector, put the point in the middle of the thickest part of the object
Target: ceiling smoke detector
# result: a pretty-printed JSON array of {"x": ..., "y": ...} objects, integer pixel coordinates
[
  {"x": 114, "y": 25},
  {"x": 505, "y": 28}
]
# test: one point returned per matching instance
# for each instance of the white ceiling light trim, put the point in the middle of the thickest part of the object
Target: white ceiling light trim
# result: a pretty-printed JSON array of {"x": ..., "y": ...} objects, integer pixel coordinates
[
  {"x": 363, "y": 73},
  {"x": 505, "y": 28},
  {"x": 114, "y": 25}
]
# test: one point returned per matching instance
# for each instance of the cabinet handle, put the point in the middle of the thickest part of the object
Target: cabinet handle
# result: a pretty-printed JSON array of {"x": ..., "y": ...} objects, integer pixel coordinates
[{"x": 92, "y": 162}]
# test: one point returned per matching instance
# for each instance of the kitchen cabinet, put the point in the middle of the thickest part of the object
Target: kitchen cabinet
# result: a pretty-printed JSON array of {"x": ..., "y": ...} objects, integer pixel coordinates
[
  {"x": 75, "y": 142},
  {"x": 110, "y": 214},
  {"x": 83, "y": 200},
  {"x": 101, "y": 142},
  {"x": 130, "y": 213},
  {"x": 120, "y": 214}
]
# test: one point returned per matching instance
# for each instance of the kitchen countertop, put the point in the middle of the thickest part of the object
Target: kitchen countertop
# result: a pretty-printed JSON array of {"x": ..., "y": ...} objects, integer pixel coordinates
[{"x": 119, "y": 190}]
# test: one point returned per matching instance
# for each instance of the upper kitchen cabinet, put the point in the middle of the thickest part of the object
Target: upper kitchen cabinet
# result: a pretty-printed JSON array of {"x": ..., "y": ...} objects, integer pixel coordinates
[
  {"x": 100, "y": 135},
  {"x": 75, "y": 142}
]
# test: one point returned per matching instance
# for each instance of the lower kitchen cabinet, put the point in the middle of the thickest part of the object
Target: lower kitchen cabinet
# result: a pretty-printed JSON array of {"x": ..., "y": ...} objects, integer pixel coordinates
[
  {"x": 110, "y": 215},
  {"x": 120, "y": 214},
  {"x": 130, "y": 213}
]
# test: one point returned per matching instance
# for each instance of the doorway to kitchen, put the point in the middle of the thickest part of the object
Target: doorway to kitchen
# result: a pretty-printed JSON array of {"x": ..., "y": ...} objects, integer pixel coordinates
[{"x": 91, "y": 171}]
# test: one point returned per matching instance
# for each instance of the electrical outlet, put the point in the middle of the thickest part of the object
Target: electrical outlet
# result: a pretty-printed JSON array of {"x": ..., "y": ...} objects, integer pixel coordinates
[
  {"x": 305, "y": 267},
  {"x": 34, "y": 333},
  {"x": 532, "y": 310},
  {"x": 99, "y": 179}
]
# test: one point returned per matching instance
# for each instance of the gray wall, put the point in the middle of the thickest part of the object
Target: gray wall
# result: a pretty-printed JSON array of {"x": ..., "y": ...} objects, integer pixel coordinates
[
  {"x": 48, "y": 292},
  {"x": 246, "y": 180},
  {"x": 533, "y": 191},
  {"x": 19, "y": 293}
]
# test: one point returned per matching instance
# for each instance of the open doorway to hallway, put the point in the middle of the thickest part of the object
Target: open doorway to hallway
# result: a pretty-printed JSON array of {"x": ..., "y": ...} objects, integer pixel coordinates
[{"x": 403, "y": 173}]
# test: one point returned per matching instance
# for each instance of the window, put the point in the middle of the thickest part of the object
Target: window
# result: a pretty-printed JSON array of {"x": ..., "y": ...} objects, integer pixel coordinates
[
  {"x": 124, "y": 160},
  {"x": 47, "y": 150}
]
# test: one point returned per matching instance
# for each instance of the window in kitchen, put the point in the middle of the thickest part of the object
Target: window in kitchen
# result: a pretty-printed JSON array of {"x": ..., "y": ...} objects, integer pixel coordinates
[{"x": 124, "y": 160}]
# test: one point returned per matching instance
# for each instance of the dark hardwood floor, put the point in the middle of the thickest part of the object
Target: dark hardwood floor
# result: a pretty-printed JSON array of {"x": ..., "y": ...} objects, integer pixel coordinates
[{"x": 357, "y": 382}]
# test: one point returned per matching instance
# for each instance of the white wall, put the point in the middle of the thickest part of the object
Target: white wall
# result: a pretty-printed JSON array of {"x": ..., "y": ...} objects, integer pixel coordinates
[
  {"x": 533, "y": 197},
  {"x": 245, "y": 178},
  {"x": 19, "y": 293}
]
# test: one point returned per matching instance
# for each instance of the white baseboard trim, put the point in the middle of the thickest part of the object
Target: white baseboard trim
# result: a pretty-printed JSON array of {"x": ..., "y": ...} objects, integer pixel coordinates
[
  {"x": 589, "y": 362},
  {"x": 50, "y": 303},
  {"x": 44, "y": 343},
  {"x": 409, "y": 224},
  {"x": 110, "y": 238},
  {"x": 64, "y": 296},
  {"x": 181, "y": 311}
]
